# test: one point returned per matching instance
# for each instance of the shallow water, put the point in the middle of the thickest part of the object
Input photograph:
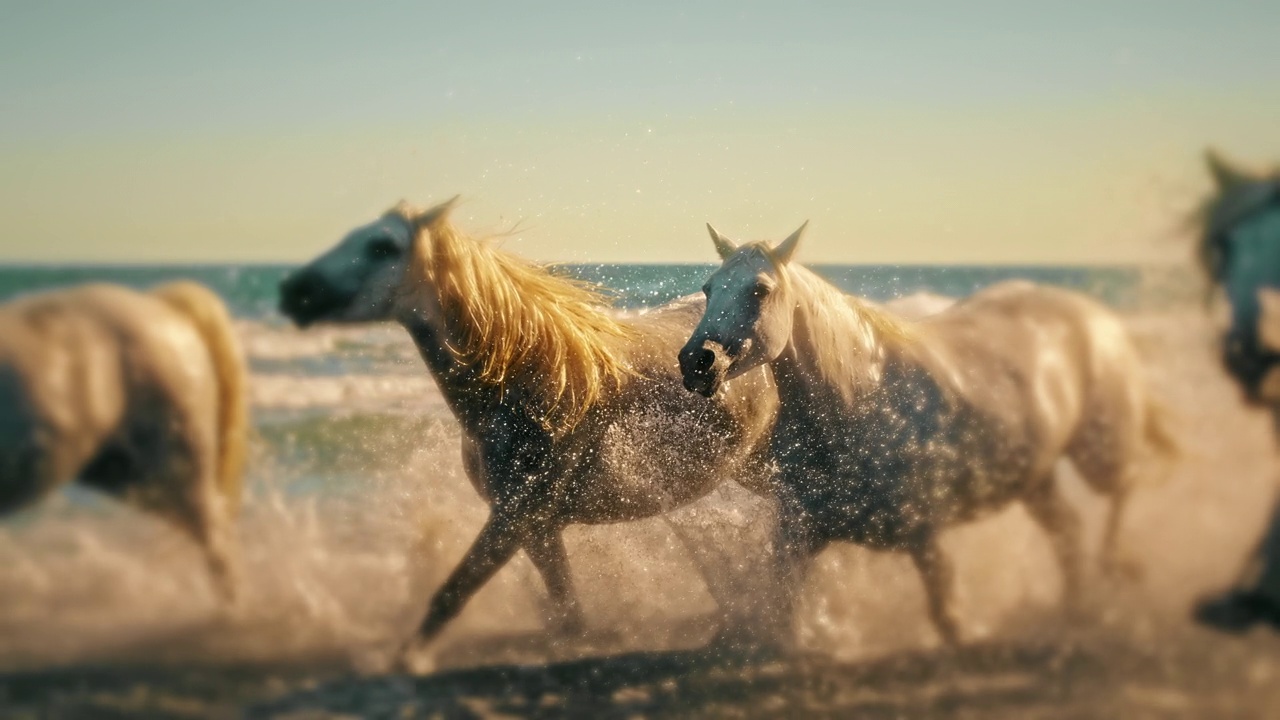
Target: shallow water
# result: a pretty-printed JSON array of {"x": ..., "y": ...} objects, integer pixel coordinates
[{"x": 358, "y": 507}]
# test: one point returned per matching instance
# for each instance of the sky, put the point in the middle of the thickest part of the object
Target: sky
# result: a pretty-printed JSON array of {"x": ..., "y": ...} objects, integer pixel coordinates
[{"x": 907, "y": 132}]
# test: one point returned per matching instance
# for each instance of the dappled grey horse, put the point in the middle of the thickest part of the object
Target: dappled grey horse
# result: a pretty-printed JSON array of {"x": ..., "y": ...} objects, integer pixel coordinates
[
  {"x": 1239, "y": 251},
  {"x": 570, "y": 413},
  {"x": 890, "y": 431}
]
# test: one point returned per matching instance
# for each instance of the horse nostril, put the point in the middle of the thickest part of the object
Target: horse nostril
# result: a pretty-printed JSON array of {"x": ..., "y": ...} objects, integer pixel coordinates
[
  {"x": 300, "y": 291},
  {"x": 704, "y": 359}
]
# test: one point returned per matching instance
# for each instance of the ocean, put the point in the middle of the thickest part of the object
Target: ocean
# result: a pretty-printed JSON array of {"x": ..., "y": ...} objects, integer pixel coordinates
[
  {"x": 357, "y": 508},
  {"x": 250, "y": 290}
]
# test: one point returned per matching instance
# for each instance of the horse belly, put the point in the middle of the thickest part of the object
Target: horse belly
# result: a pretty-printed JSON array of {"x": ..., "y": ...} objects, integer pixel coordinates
[
  {"x": 650, "y": 462},
  {"x": 867, "y": 488},
  {"x": 56, "y": 410}
]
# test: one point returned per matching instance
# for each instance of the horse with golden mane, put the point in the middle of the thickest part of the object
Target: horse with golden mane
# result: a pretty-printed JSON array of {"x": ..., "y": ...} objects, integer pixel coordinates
[
  {"x": 569, "y": 411},
  {"x": 140, "y": 395}
]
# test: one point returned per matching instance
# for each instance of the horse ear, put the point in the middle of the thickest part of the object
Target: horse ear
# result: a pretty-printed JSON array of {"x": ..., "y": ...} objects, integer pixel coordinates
[
  {"x": 724, "y": 246},
  {"x": 1225, "y": 176},
  {"x": 430, "y": 216},
  {"x": 785, "y": 249}
]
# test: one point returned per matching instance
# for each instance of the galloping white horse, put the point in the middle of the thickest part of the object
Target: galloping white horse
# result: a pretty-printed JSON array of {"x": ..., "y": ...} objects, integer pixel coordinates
[
  {"x": 139, "y": 395},
  {"x": 569, "y": 413},
  {"x": 919, "y": 304},
  {"x": 889, "y": 431}
]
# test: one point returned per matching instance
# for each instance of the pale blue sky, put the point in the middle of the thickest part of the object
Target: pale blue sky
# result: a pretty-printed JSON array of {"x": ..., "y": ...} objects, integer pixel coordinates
[{"x": 907, "y": 132}]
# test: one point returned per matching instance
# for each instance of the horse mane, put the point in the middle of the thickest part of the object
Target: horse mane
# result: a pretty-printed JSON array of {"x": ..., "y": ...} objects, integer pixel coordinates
[
  {"x": 518, "y": 324},
  {"x": 851, "y": 338},
  {"x": 1226, "y": 209}
]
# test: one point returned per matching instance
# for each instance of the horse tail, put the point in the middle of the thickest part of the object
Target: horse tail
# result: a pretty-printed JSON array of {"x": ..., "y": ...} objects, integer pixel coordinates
[
  {"x": 208, "y": 314},
  {"x": 1159, "y": 432}
]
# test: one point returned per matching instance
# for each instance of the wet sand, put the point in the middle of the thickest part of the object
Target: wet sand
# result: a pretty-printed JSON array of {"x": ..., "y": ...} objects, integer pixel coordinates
[{"x": 1085, "y": 673}]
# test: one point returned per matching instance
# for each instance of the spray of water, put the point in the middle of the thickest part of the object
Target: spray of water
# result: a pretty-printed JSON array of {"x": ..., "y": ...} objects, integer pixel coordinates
[{"x": 359, "y": 508}]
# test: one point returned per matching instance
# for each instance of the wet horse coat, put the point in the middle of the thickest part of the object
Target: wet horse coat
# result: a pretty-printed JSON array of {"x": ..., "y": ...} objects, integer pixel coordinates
[
  {"x": 569, "y": 412},
  {"x": 890, "y": 431}
]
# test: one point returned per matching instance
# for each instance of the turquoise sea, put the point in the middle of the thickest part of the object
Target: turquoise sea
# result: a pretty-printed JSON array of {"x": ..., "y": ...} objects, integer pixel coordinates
[{"x": 250, "y": 290}]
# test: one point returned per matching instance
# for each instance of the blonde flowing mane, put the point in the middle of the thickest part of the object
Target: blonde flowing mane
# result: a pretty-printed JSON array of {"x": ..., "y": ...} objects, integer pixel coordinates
[
  {"x": 851, "y": 338},
  {"x": 519, "y": 325}
]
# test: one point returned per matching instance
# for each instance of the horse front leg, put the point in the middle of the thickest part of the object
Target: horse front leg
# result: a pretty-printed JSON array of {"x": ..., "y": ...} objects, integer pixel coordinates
[
  {"x": 503, "y": 534},
  {"x": 796, "y": 540},
  {"x": 939, "y": 583},
  {"x": 547, "y": 551}
]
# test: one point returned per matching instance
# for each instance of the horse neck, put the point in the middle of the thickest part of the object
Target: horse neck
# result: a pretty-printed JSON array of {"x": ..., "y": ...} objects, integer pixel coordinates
[
  {"x": 837, "y": 353},
  {"x": 467, "y": 395}
]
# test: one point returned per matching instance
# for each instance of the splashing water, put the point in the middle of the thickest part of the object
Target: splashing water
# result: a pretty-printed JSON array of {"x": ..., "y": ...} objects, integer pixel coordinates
[{"x": 358, "y": 508}]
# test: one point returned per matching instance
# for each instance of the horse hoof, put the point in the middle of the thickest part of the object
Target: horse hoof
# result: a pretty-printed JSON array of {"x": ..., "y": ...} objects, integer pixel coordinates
[
  {"x": 1237, "y": 612},
  {"x": 413, "y": 659}
]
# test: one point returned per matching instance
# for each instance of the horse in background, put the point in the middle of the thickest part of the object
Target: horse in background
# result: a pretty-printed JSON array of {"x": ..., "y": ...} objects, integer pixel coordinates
[
  {"x": 1239, "y": 252},
  {"x": 919, "y": 304},
  {"x": 570, "y": 412},
  {"x": 140, "y": 395},
  {"x": 889, "y": 431}
]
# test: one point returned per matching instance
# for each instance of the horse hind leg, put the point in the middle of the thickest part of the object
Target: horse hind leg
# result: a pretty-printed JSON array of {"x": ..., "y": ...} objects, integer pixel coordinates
[
  {"x": 547, "y": 552},
  {"x": 179, "y": 484},
  {"x": 200, "y": 512},
  {"x": 938, "y": 574},
  {"x": 1061, "y": 522},
  {"x": 1116, "y": 560},
  {"x": 1107, "y": 466}
]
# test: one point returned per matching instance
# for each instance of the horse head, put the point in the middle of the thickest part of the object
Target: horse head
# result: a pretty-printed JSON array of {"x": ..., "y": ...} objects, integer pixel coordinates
[
  {"x": 747, "y": 321},
  {"x": 1240, "y": 251},
  {"x": 358, "y": 280}
]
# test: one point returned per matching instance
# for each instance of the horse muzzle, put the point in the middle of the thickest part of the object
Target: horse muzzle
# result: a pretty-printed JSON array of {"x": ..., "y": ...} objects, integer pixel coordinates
[
  {"x": 703, "y": 367},
  {"x": 306, "y": 298}
]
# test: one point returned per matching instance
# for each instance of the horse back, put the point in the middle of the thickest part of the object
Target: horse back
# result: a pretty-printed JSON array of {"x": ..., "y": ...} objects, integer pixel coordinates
[
  {"x": 1045, "y": 357},
  {"x": 77, "y": 366}
]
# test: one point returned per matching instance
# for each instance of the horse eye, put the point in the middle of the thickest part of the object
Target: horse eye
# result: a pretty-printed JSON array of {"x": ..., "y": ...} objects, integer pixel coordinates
[
  {"x": 383, "y": 249},
  {"x": 759, "y": 290}
]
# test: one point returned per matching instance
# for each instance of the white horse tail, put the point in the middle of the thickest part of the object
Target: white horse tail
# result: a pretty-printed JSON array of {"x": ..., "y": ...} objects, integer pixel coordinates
[
  {"x": 208, "y": 314},
  {"x": 1161, "y": 438}
]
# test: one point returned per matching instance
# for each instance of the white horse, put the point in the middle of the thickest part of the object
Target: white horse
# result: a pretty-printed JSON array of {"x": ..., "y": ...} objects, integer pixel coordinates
[
  {"x": 139, "y": 395},
  {"x": 1239, "y": 251},
  {"x": 570, "y": 413},
  {"x": 889, "y": 431},
  {"x": 919, "y": 304}
]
